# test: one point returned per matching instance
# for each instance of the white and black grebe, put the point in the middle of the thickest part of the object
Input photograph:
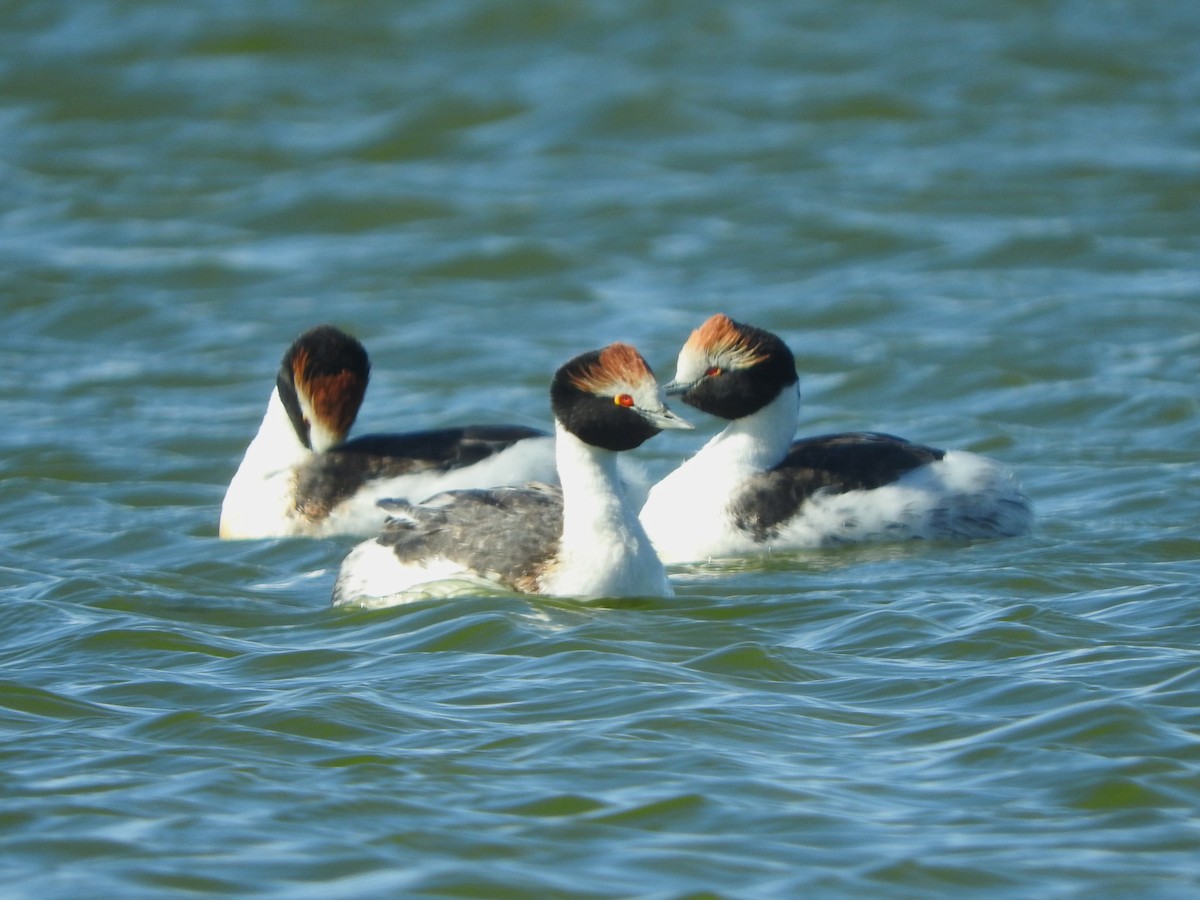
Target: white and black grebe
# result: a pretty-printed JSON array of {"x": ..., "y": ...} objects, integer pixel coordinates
[
  {"x": 583, "y": 540},
  {"x": 753, "y": 489},
  {"x": 300, "y": 476}
]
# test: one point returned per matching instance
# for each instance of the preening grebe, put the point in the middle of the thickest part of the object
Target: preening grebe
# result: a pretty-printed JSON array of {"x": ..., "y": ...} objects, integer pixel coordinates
[{"x": 300, "y": 476}]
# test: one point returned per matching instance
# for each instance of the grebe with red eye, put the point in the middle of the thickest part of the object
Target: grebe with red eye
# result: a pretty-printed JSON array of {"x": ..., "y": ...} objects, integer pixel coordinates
[
  {"x": 583, "y": 540},
  {"x": 753, "y": 489},
  {"x": 300, "y": 476}
]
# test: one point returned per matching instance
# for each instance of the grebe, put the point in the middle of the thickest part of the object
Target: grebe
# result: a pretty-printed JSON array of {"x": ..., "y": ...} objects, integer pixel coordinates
[
  {"x": 300, "y": 476},
  {"x": 583, "y": 540},
  {"x": 752, "y": 489}
]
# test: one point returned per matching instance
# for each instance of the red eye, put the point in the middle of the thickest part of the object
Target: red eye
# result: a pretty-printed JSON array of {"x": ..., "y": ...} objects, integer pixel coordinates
[
  {"x": 712, "y": 370},
  {"x": 623, "y": 400}
]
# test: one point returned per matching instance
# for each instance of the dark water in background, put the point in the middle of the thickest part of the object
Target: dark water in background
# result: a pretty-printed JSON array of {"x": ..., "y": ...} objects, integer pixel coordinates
[{"x": 976, "y": 225}]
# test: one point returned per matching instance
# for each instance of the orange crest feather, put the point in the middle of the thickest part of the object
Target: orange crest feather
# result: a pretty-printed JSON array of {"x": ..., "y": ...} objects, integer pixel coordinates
[
  {"x": 618, "y": 366},
  {"x": 721, "y": 337},
  {"x": 335, "y": 398}
]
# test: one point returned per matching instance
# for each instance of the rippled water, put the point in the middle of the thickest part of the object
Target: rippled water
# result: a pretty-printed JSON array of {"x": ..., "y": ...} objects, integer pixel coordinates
[{"x": 976, "y": 227}]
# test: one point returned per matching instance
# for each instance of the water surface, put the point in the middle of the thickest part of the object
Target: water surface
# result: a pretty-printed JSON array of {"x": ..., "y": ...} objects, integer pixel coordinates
[{"x": 975, "y": 227}]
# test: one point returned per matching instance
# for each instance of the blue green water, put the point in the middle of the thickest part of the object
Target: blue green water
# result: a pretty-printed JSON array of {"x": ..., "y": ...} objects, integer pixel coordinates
[{"x": 977, "y": 225}]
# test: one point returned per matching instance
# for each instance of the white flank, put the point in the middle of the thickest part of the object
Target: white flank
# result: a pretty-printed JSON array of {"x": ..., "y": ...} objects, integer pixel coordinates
[
  {"x": 372, "y": 576},
  {"x": 962, "y": 496}
]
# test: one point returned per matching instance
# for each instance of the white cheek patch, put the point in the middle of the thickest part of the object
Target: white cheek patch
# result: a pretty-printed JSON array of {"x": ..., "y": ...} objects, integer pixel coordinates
[
  {"x": 647, "y": 395},
  {"x": 691, "y": 366}
]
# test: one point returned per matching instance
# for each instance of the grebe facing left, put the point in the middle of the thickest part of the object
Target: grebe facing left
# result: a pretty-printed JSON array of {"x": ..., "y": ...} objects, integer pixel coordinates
[
  {"x": 752, "y": 489},
  {"x": 581, "y": 541},
  {"x": 301, "y": 477}
]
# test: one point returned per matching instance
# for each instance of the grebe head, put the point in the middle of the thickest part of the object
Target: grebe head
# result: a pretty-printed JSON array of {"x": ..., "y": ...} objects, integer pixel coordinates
[
  {"x": 610, "y": 399},
  {"x": 322, "y": 380},
  {"x": 732, "y": 370}
]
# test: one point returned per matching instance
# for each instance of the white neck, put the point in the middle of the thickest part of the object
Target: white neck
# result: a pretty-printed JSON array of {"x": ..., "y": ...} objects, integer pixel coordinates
[
  {"x": 758, "y": 441},
  {"x": 685, "y": 513},
  {"x": 604, "y": 550},
  {"x": 276, "y": 446},
  {"x": 259, "y": 494}
]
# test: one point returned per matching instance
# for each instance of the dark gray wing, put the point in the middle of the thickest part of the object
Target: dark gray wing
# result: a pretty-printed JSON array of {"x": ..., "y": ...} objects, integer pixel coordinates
[
  {"x": 329, "y": 478},
  {"x": 506, "y": 533},
  {"x": 834, "y": 463}
]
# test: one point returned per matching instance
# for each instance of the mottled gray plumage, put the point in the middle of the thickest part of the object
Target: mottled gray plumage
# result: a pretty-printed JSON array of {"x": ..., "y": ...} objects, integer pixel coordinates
[
  {"x": 508, "y": 534},
  {"x": 834, "y": 463}
]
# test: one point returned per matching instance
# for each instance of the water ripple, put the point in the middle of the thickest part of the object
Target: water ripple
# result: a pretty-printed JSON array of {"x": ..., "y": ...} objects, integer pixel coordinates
[{"x": 980, "y": 235}]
